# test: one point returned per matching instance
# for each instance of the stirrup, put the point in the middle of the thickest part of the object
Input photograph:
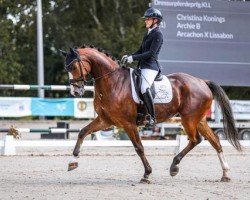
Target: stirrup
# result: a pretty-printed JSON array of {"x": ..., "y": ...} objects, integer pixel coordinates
[{"x": 149, "y": 121}]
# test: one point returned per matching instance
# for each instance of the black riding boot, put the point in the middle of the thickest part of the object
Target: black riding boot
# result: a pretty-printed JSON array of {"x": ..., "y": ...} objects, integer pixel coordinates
[{"x": 148, "y": 101}]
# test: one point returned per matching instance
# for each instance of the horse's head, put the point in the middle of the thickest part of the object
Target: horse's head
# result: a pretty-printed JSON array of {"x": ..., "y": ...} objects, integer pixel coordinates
[{"x": 78, "y": 68}]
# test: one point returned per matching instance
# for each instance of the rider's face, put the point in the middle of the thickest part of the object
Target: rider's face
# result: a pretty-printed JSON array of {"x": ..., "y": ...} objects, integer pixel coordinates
[{"x": 149, "y": 22}]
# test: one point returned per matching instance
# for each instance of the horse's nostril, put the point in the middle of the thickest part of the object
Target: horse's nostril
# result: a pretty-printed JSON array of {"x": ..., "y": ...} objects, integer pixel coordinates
[{"x": 76, "y": 93}]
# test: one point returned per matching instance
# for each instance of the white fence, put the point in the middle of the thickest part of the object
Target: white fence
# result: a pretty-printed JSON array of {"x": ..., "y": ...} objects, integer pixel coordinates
[{"x": 9, "y": 144}]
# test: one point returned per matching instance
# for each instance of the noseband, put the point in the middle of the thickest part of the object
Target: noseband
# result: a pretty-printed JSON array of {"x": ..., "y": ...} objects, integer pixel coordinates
[{"x": 68, "y": 68}]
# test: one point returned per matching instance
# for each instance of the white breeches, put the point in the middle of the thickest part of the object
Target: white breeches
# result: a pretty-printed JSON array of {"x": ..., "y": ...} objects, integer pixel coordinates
[{"x": 148, "y": 77}]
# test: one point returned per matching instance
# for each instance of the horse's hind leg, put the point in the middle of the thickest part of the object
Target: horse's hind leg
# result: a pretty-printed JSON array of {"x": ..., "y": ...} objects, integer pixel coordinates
[
  {"x": 194, "y": 139},
  {"x": 207, "y": 133},
  {"x": 135, "y": 139}
]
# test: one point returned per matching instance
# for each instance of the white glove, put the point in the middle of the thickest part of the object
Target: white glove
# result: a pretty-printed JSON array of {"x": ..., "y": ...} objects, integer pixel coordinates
[
  {"x": 127, "y": 59},
  {"x": 130, "y": 59}
]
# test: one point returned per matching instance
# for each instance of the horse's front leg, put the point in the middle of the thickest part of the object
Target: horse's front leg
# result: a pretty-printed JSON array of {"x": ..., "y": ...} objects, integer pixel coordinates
[
  {"x": 96, "y": 125},
  {"x": 136, "y": 140}
]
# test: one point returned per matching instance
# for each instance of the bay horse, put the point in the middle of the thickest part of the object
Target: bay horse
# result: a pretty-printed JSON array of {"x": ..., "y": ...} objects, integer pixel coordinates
[{"x": 113, "y": 102}]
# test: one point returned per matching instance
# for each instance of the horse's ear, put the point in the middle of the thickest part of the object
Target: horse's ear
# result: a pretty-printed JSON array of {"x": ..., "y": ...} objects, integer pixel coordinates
[
  {"x": 72, "y": 50},
  {"x": 64, "y": 53}
]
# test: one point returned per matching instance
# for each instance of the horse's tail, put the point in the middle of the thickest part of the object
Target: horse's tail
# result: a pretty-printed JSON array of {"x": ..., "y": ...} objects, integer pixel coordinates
[{"x": 228, "y": 119}]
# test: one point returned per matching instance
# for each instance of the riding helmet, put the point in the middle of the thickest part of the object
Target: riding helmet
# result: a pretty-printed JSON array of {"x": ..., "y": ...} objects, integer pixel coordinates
[{"x": 153, "y": 13}]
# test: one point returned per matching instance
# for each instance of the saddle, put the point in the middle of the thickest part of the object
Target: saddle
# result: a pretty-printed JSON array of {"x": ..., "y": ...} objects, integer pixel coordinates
[
  {"x": 136, "y": 75},
  {"x": 141, "y": 110}
]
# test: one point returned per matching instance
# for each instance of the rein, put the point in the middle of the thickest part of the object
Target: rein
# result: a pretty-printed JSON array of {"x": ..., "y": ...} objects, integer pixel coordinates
[{"x": 94, "y": 79}]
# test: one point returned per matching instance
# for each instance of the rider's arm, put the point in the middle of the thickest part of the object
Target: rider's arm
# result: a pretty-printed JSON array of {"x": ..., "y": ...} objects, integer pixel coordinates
[
  {"x": 156, "y": 44},
  {"x": 139, "y": 51}
]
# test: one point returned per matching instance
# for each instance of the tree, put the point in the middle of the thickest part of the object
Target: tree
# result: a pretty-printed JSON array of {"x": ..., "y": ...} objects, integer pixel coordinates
[
  {"x": 10, "y": 67},
  {"x": 110, "y": 24}
]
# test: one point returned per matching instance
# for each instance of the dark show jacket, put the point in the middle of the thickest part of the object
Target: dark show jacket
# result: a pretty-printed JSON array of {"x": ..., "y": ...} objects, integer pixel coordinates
[{"x": 147, "y": 55}]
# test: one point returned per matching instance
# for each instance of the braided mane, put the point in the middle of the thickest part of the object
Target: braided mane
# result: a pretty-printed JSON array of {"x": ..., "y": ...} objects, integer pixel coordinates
[{"x": 102, "y": 51}]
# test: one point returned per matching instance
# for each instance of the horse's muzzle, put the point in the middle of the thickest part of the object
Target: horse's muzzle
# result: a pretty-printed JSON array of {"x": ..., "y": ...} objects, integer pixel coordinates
[{"x": 78, "y": 91}]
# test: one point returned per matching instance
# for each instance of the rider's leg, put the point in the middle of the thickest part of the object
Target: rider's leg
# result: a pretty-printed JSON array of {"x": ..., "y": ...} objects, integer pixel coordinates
[
  {"x": 148, "y": 77},
  {"x": 148, "y": 101}
]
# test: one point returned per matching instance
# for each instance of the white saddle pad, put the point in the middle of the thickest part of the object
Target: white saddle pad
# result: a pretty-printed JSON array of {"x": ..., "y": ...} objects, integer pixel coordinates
[{"x": 163, "y": 90}]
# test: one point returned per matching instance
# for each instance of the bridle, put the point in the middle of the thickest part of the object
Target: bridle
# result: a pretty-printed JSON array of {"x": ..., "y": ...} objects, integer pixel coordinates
[{"x": 68, "y": 68}]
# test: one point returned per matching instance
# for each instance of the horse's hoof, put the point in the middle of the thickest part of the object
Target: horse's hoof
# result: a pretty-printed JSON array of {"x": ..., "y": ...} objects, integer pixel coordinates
[
  {"x": 72, "y": 166},
  {"x": 174, "y": 169},
  {"x": 225, "y": 179},
  {"x": 145, "y": 180}
]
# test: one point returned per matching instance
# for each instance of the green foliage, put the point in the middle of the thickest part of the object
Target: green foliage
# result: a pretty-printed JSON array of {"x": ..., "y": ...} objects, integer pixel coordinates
[
  {"x": 241, "y": 93},
  {"x": 114, "y": 25}
]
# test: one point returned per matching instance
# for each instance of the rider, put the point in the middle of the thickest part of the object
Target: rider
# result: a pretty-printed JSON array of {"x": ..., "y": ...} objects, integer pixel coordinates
[{"x": 147, "y": 56}]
